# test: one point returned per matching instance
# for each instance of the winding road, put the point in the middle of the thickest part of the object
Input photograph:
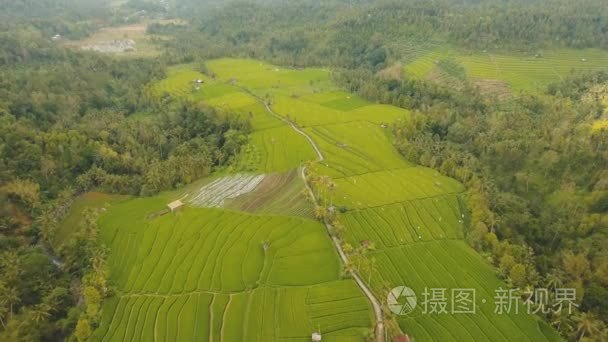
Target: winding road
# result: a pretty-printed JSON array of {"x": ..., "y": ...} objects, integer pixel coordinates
[{"x": 366, "y": 290}]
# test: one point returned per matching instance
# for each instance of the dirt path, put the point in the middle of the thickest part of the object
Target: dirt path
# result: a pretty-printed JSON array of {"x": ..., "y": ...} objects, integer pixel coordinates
[
  {"x": 366, "y": 290},
  {"x": 297, "y": 129}
]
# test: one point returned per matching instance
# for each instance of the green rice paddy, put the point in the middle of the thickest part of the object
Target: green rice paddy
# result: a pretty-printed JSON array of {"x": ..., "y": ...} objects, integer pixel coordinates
[
  {"x": 204, "y": 274},
  {"x": 227, "y": 275},
  {"x": 521, "y": 71}
]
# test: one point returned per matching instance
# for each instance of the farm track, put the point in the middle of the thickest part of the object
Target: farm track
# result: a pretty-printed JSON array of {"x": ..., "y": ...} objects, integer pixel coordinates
[{"x": 366, "y": 290}]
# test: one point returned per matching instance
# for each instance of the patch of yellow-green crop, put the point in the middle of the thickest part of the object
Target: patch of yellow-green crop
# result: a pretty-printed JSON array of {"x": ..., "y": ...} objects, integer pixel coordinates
[
  {"x": 201, "y": 273},
  {"x": 355, "y": 148},
  {"x": 523, "y": 72},
  {"x": 393, "y": 186},
  {"x": 180, "y": 82},
  {"x": 258, "y": 76},
  {"x": 276, "y": 149},
  {"x": 307, "y": 113}
]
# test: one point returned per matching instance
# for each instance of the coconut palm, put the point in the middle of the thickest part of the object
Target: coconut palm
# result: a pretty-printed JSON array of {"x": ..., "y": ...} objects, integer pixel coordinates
[
  {"x": 47, "y": 223},
  {"x": 586, "y": 325},
  {"x": 320, "y": 213},
  {"x": 3, "y": 313},
  {"x": 553, "y": 280},
  {"x": 562, "y": 321},
  {"x": 348, "y": 268},
  {"x": 39, "y": 313},
  {"x": 9, "y": 296}
]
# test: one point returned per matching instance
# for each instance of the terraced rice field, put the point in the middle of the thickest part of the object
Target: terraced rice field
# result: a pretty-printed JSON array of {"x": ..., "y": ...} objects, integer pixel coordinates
[
  {"x": 407, "y": 222},
  {"x": 454, "y": 265},
  {"x": 210, "y": 274},
  {"x": 225, "y": 275},
  {"x": 393, "y": 186},
  {"x": 260, "y": 77},
  {"x": 277, "y": 149},
  {"x": 179, "y": 82},
  {"x": 522, "y": 72},
  {"x": 355, "y": 148},
  {"x": 307, "y": 113}
]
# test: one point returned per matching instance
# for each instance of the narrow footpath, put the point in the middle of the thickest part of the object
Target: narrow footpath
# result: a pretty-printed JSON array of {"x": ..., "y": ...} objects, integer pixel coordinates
[{"x": 366, "y": 290}]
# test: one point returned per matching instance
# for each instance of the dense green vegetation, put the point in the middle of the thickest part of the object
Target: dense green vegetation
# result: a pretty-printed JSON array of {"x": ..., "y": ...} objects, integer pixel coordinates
[
  {"x": 370, "y": 33},
  {"x": 503, "y": 103},
  {"x": 71, "y": 122},
  {"x": 534, "y": 173}
]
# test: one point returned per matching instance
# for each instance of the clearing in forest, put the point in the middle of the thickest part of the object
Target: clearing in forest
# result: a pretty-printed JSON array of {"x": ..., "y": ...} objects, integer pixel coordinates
[
  {"x": 124, "y": 41},
  {"x": 520, "y": 71},
  {"x": 217, "y": 274}
]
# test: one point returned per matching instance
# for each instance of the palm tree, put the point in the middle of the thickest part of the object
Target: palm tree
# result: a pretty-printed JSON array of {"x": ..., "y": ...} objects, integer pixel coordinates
[
  {"x": 562, "y": 321},
  {"x": 586, "y": 325},
  {"x": 604, "y": 334},
  {"x": 320, "y": 212},
  {"x": 3, "y": 313},
  {"x": 347, "y": 248},
  {"x": 553, "y": 281},
  {"x": 338, "y": 227},
  {"x": 348, "y": 268},
  {"x": 39, "y": 313},
  {"x": 9, "y": 297},
  {"x": 47, "y": 224}
]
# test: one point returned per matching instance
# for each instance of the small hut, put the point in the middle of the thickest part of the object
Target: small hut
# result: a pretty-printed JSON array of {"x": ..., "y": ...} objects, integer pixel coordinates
[
  {"x": 316, "y": 337},
  {"x": 175, "y": 205}
]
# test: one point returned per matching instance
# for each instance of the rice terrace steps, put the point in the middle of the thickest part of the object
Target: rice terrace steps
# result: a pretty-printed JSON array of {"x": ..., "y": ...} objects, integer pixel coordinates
[{"x": 246, "y": 261}]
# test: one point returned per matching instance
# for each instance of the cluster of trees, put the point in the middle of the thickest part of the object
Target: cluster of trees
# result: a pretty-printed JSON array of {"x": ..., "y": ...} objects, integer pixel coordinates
[
  {"x": 20, "y": 11},
  {"x": 366, "y": 33},
  {"x": 69, "y": 122},
  {"x": 72, "y": 122},
  {"x": 536, "y": 174}
]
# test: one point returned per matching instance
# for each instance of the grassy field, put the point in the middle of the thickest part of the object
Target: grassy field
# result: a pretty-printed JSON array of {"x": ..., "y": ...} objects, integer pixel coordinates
[
  {"x": 218, "y": 274},
  {"x": 144, "y": 43},
  {"x": 522, "y": 72}
]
